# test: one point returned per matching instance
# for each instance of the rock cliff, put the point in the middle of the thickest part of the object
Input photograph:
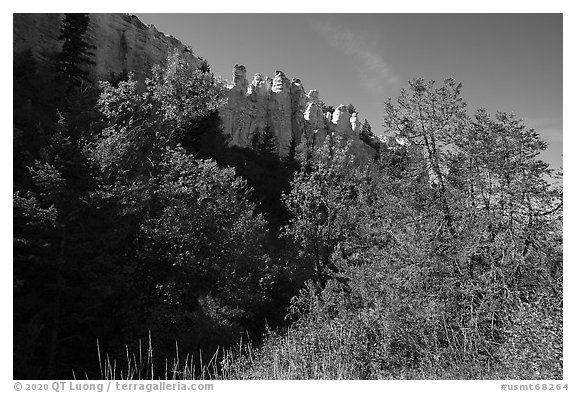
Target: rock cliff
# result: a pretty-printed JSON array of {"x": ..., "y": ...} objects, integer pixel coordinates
[
  {"x": 122, "y": 42},
  {"x": 284, "y": 107}
]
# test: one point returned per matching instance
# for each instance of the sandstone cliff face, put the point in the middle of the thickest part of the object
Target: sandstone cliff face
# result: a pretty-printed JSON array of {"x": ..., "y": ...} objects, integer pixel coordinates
[
  {"x": 288, "y": 111},
  {"x": 122, "y": 42},
  {"x": 280, "y": 110},
  {"x": 291, "y": 114}
]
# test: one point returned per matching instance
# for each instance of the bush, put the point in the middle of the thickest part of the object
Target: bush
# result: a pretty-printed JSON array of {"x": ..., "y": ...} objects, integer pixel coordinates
[{"x": 533, "y": 346}]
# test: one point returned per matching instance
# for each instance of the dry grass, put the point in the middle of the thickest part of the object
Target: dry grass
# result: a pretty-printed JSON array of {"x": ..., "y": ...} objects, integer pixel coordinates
[{"x": 354, "y": 348}]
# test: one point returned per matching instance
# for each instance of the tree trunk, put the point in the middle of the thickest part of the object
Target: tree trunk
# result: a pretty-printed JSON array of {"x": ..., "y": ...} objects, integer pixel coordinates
[{"x": 57, "y": 307}]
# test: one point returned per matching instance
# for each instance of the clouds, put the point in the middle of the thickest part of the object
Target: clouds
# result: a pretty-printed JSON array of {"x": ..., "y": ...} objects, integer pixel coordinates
[
  {"x": 552, "y": 135},
  {"x": 549, "y": 129},
  {"x": 373, "y": 71}
]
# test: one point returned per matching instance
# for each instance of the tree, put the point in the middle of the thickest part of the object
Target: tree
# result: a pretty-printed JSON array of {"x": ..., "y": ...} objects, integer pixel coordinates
[
  {"x": 76, "y": 52},
  {"x": 291, "y": 160},
  {"x": 264, "y": 142},
  {"x": 326, "y": 108},
  {"x": 142, "y": 124},
  {"x": 197, "y": 236},
  {"x": 351, "y": 109},
  {"x": 319, "y": 201},
  {"x": 200, "y": 257},
  {"x": 429, "y": 117},
  {"x": 59, "y": 260},
  {"x": 366, "y": 128},
  {"x": 497, "y": 171},
  {"x": 482, "y": 177}
]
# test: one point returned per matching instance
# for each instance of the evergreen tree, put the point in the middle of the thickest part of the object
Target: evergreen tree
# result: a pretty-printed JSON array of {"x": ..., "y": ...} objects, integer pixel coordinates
[
  {"x": 326, "y": 108},
  {"x": 59, "y": 259},
  {"x": 291, "y": 160},
  {"x": 366, "y": 128},
  {"x": 76, "y": 55},
  {"x": 264, "y": 142},
  {"x": 351, "y": 109}
]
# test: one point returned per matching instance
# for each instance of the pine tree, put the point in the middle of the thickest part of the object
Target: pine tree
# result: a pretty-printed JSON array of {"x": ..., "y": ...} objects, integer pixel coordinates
[
  {"x": 351, "y": 109},
  {"x": 366, "y": 128},
  {"x": 292, "y": 148},
  {"x": 76, "y": 52},
  {"x": 55, "y": 243},
  {"x": 326, "y": 108},
  {"x": 264, "y": 143}
]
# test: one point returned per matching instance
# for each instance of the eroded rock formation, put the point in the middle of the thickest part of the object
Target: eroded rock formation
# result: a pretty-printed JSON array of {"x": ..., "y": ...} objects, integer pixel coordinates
[
  {"x": 280, "y": 111},
  {"x": 124, "y": 43},
  {"x": 283, "y": 106}
]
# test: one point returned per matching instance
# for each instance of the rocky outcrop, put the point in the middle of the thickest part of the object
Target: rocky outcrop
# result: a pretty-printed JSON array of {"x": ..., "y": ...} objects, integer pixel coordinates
[
  {"x": 260, "y": 87},
  {"x": 275, "y": 103},
  {"x": 355, "y": 123},
  {"x": 240, "y": 83},
  {"x": 280, "y": 111},
  {"x": 298, "y": 105},
  {"x": 122, "y": 42},
  {"x": 313, "y": 113},
  {"x": 315, "y": 124},
  {"x": 282, "y": 106},
  {"x": 247, "y": 110},
  {"x": 341, "y": 121},
  {"x": 347, "y": 126}
]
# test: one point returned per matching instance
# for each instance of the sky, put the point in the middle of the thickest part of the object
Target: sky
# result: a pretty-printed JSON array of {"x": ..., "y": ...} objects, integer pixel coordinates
[{"x": 507, "y": 62}]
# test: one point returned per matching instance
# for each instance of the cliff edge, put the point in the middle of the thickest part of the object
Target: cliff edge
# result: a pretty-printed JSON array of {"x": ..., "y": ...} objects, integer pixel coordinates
[{"x": 122, "y": 41}]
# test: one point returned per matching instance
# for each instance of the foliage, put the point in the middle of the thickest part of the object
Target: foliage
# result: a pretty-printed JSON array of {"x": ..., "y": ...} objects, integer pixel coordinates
[
  {"x": 366, "y": 128},
  {"x": 199, "y": 255},
  {"x": 55, "y": 222},
  {"x": 142, "y": 124},
  {"x": 446, "y": 274},
  {"x": 95, "y": 217},
  {"x": 321, "y": 202},
  {"x": 264, "y": 142},
  {"x": 432, "y": 263},
  {"x": 76, "y": 51},
  {"x": 133, "y": 217},
  {"x": 326, "y": 108},
  {"x": 57, "y": 258}
]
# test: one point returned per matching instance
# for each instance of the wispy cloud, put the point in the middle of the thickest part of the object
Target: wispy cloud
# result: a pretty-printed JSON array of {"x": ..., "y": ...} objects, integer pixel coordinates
[
  {"x": 552, "y": 135},
  {"x": 550, "y": 129},
  {"x": 374, "y": 71}
]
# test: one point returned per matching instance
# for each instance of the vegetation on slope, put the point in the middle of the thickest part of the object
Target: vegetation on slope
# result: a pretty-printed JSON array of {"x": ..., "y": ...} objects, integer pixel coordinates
[{"x": 133, "y": 218}]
